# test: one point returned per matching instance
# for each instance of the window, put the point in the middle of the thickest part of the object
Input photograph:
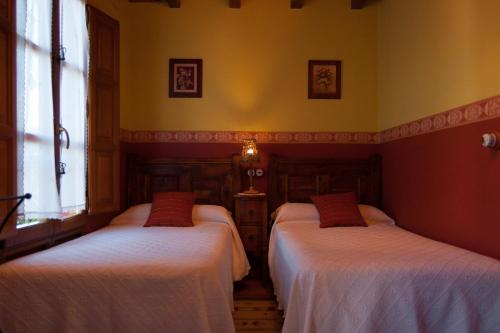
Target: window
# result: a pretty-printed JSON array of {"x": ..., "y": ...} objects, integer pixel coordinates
[{"x": 52, "y": 67}]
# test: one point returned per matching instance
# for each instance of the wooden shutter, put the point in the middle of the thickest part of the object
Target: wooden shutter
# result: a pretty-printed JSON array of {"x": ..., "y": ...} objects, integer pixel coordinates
[
  {"x": 7, "y": 112},
  {"x": 104, "y": 122}
]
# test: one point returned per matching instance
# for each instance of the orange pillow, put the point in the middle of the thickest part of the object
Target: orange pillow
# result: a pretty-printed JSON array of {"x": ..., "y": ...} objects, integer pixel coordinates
[
  {"x": 171, "y": 209},
  {"x": 338, "y": 210}
]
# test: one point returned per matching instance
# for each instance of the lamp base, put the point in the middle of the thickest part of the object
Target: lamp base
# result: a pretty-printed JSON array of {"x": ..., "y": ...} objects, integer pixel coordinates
[{"x": 251, "y": 190}]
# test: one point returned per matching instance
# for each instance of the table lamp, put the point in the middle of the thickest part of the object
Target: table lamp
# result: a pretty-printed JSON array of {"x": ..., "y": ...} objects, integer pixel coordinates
[{"x": 250, "y": 154}]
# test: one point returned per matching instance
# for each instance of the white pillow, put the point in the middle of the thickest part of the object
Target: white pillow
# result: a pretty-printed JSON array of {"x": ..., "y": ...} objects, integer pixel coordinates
[
  {"x": 212, "y": 213},
  {"x": 308, "y": 212},
  {"x": 138, "y": 214},
  {"x": 373, "y": 215},
  {"x": 296, "y": 212}
]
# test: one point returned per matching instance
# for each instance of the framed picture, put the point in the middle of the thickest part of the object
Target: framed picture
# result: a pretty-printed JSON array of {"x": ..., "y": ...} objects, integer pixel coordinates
[
  {"x": 325, "y": 79},
  {"x": 185, "y": 77}
]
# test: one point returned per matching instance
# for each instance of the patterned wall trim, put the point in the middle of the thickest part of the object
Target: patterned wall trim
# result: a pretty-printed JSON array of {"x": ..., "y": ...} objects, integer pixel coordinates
[
  {"x": 471, "y": 113},
  {"x": 463, "y": 115},
  {"x": 237, "y": 137}
]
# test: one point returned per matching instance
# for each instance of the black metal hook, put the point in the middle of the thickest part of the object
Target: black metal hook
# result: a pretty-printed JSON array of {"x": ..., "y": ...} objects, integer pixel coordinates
[{"x": 9, "y": 214}]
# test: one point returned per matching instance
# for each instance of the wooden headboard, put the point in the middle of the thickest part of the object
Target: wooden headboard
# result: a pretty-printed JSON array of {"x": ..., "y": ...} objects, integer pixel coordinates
[
  {"x": 294, "y": 180},
  {"x": 214, "y": 181}
]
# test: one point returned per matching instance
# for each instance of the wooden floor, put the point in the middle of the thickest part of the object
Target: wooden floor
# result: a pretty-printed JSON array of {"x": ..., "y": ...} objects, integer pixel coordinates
[
  {"x": 255, "y": 307},
  {"x": 258, "y": 315}
]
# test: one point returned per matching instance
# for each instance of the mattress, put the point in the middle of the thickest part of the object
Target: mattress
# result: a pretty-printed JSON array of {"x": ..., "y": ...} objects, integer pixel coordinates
[
  {"x": 380, "y": 278},
  {"x": 126, "y": 278}
]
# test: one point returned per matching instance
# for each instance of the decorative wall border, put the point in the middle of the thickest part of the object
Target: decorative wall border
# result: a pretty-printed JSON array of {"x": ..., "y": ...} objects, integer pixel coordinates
[
  {"x": 237, "y": 137},
  {"x": 471, "y": 113}
]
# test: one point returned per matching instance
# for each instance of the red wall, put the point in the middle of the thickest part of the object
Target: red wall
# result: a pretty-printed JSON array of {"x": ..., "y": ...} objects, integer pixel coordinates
[{"x": 446, "y": 186}]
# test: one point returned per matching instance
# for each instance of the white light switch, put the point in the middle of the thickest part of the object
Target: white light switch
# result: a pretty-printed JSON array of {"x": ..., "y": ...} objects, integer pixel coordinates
[{"x": 491, "y": 140}]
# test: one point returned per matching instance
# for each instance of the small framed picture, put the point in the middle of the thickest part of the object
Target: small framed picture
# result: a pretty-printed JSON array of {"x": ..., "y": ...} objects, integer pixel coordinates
[
  {"x": 325, "y": 78},
  {"x": 185, "y": 78}
]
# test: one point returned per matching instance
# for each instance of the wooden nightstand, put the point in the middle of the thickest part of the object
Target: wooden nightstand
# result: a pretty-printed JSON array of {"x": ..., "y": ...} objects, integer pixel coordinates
[{"x": 251, "y": 220}]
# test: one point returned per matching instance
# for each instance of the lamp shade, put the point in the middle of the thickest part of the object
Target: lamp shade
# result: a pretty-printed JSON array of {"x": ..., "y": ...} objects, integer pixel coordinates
[{"x": 249, "y": 152}]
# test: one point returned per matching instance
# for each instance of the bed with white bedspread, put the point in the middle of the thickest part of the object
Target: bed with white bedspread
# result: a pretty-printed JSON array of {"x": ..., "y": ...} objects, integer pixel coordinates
[
  {"x": 379, "y": 278},
  {"x": 127, "y": 278}
]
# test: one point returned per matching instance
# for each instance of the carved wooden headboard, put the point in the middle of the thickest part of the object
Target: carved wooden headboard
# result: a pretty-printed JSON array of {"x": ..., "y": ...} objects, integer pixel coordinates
[
  {"x": 294, "y": 180},
  {"x": 214, "y": 181}
]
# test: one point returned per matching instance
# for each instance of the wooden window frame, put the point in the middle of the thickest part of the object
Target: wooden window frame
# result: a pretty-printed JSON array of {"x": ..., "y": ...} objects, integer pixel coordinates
[{"x": 15, "y": 242}]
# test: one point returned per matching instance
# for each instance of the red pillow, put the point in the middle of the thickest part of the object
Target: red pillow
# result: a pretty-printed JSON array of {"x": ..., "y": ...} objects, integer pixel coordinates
[
  {"x": 338, "y": 210},
  {"x": 171, "y": 209}
]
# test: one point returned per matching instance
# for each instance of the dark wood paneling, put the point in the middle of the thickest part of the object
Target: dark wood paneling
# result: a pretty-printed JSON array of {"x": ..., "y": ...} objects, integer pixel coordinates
[
  {"x": 4, "y": 9},
  {"x": 215, "y": 181},
  {"x": 105, "y": 56},
  {"x": 5, "y": 189},
  {"x": 104, "y": 100},
  {"x": 104, "y": 95},
  {"x": 221, "y": 150},
  {"x": 103, "y": 194},
  {"x": 7, "y": 113},
  {"x": 4, "y": 83},
  {"x": 295, "y": 180}
]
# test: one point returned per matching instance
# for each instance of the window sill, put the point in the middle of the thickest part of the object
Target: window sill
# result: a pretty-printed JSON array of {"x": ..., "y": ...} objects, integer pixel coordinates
[
  {"x": 65, "y": 217},
  {"x": 69, "y": 216},
  {"x": 29, "y": 224},
  {"x": 42, "y": 234},
  {"x": 49, "y": 232}
]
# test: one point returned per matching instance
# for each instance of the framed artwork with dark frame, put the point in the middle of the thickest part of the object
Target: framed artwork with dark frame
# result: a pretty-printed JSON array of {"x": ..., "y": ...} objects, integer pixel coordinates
[
  {"x": 185, "y": 78},
  {"x": 325, "y": 78}
]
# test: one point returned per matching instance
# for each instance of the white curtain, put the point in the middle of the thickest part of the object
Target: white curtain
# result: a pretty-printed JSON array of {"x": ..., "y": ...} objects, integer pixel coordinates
[
  {"x": 36, "y": 151},
  {"x": 35, "y": 109},
  {"x": 73, "y": 103}
]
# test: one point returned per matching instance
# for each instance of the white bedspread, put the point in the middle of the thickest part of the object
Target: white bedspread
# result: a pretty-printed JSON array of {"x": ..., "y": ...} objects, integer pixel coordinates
[
  {"x": 126, "y": 278},
  {"x": 380, "y": 279}
]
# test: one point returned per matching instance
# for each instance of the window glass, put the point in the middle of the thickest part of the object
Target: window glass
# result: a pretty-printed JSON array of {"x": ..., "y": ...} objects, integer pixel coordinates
[{"x": 54, "y": 194}]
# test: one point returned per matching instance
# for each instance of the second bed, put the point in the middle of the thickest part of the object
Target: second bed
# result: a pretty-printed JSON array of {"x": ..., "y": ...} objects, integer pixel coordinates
[{"x": 378, "y": 278}]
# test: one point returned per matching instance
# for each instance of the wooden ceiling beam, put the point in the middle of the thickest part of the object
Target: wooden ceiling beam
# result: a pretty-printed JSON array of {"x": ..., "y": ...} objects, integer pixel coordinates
[
  {"x": 171, "y": 3},
  {"x": 358, "y": 4},
  {"x": 234, "y": 3},
  {"x": 174, "y": 3},
  {"x": 296, "y": 4}
]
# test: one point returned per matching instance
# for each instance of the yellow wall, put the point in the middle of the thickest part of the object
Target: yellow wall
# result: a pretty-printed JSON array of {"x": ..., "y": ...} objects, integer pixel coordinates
[
  {"x": 436, "y": 55},
  {"x": 402, "y": 60},
  {"x": 255, "y": 65}
]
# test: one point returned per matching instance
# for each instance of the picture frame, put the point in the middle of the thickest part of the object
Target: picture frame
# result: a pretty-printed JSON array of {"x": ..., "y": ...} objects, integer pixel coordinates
[
  {"x": 325, "y": 79},
  {"x": 185, "y": 78}
]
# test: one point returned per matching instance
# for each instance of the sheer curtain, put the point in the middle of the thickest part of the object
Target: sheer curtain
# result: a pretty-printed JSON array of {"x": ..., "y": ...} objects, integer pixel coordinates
[
  {"x": 74, "y": 103},
  {"x": 35, "y": 109},
  {"x": 36, "y": 150}
]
